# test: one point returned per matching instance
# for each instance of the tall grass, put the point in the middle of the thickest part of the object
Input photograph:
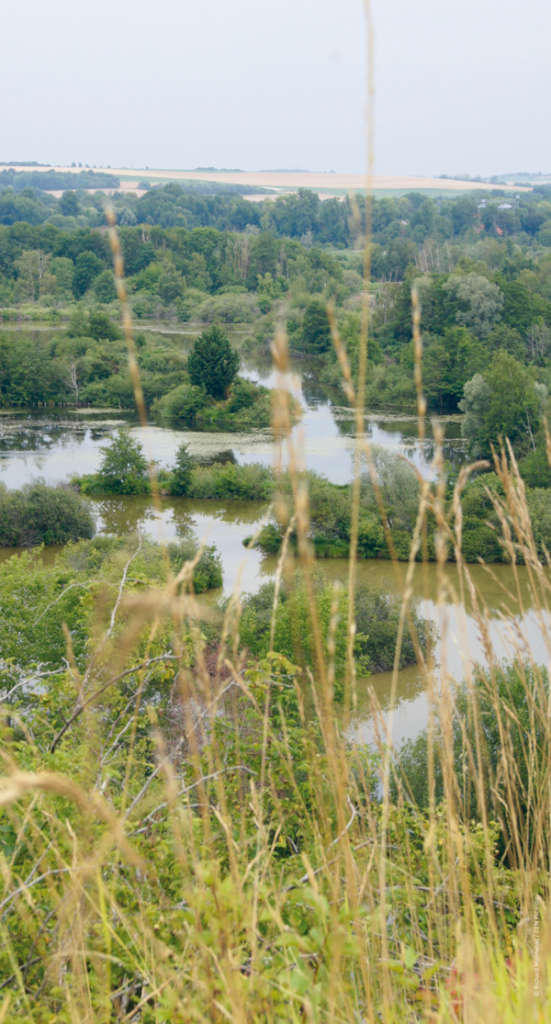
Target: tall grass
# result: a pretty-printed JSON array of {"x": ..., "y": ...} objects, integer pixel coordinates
[{"x": 190, "y": 835}]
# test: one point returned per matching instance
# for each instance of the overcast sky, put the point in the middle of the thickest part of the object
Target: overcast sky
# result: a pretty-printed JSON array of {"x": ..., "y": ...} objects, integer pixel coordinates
[{"x": 460, "y": 85}]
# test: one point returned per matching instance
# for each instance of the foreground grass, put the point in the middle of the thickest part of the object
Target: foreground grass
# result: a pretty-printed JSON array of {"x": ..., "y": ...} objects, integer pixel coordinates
[{"x": 188, "y": 834}]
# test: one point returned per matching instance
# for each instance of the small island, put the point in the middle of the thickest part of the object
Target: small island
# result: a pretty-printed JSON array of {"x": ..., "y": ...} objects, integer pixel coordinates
[{"x": 212, "y": 396}]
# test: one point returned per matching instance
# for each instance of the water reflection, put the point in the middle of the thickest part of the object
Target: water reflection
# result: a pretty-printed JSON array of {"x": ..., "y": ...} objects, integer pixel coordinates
[
  {"x": 56, "y": 444},
  {"x": 515, "y": 626}
]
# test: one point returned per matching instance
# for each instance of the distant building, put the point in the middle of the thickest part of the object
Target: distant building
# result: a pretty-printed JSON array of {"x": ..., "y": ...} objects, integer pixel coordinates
[{"x": 505, "y": 206}]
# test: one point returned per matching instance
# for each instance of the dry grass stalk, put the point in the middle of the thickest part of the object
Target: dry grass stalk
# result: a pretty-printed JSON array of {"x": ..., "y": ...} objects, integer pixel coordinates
[{"x": 208, "y": 889}]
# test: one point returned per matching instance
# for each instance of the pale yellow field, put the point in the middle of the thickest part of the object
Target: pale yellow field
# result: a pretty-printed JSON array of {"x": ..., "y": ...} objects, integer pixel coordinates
[{"x": 289, "y": 181}]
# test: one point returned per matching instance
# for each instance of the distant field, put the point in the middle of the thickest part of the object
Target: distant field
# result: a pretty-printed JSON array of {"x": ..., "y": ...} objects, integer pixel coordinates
[{"x": 290, "y": 181}]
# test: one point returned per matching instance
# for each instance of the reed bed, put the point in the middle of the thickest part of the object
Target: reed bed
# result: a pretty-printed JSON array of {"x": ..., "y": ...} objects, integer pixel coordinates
[{"x": 189, "y": 835}]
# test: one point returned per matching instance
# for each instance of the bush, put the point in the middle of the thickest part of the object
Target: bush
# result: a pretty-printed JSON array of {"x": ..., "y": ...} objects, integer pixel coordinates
[
  {"x": 252, "y": 482},
  {"x": 535, "y": 468},
  {"x": 244, "y": 394},
  {"x": 228, "y": 309},
  {"x": 512, "y": 702},
  {"x": 183, "y": 471},
  {"x": 181, "y": 405},
  {"x": 207, "y": 574},
  {"x": 101, "y": 327},
  {"x": 123, "y": 468},
  {"x": 538, "y": 502},
  {"x": 330, "y": 511},
  {"x": 104, "y": 557},
  {"x": 377, "y": 619},
  {"x": 38, "y": 514},
  {"x": 377, "y": 626},
  {"x": 247, "y": 407},
  {"x": 35, "y": 603}
]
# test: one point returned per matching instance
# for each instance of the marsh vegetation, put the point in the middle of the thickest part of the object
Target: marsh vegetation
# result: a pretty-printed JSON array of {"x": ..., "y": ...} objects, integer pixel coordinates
[{"x": 192, "y": 825}]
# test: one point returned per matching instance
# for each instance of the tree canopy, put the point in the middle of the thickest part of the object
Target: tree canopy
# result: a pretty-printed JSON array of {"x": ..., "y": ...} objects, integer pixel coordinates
[{"x": 213, "y": 363}]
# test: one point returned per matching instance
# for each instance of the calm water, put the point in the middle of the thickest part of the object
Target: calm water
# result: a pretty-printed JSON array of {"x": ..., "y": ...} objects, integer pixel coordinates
[{"x": 56, "y": 445}]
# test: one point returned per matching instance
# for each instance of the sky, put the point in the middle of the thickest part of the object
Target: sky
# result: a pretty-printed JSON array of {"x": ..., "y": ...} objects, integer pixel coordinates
[{"x": 460, "y": 85}]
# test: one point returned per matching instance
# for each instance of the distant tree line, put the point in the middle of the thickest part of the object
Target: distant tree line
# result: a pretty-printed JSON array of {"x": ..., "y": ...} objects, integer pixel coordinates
[
  {"x": 57, "y": 180},
  {"x": 404, "y": 230}
]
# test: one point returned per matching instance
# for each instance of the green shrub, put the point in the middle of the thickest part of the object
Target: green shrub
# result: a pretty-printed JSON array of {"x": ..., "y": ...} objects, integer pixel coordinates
[
  {"x": 228, "y": 309},
  {"x": 480, "y": 541},
  {"x": 100, "y": 325},
  {"x": 181, "y": 405},
  {"x": 535, "y": 468},
  {"x": 38, "y": 514},
  {"x": 244, "y": 394},
  {"x": 377, "y": 626},
  {"x": 207, "y": 574},
  {"x": 223, "y": 415},
  {"x": 377, "y": 618},
  {"x": 182, "y": 473},
  {"x": 123, "y": 468},
  {"x": 35, "y": 602},
  {"x": 538, "y": 501},
  {"x": 251, "y": 482},
  {"x": 104, "y": 287},
  {"x": 248, "y": 406}
]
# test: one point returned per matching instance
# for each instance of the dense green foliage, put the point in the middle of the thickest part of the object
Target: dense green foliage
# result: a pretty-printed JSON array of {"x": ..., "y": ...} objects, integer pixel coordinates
[
  {"x": 504, "y": 402},
  {"x": 399, "y": 224},
  {"x": 212, "y": 363},
  {"x": 481, "y": 267},
  {"x": 182, "y": 474},
  {"x": 250, "y": 482},
  {"x": 330, "y": 504},
  {"x": 247, "y": 406},
  {"x": 124, "y": 470},
  {"x": 88, "y": 365},
  {"x": 52, "y": 181},
  {"x": 123, "y": 467},
  {"x": 483, "y": 275},
  {"x": 36, "y": 599},
  {"x": 314, "y": 335},
  {"x": 38, "y": 514},
  {"x": 330, "y": 517},
  {"x": 524, "y": 693},
  {"x": 377, "y": 618}
]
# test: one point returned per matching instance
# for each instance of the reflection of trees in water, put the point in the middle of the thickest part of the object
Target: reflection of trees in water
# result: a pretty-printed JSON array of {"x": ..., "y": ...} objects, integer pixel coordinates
[
  {"x": 346, "y": 424},
  {"x": 123, "y": 514},
  {"x": 45, "y": 435},
  {"x": 495, "y": 585},
  {"x": 315, "y": 392},
  {"x": 100, "y": 433},
  {"x": 404, "y": 439},
  {"x": 34, "y": 439},
  {"x": 410, "y": 686},
  {"x": 183, "y": 519}
]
